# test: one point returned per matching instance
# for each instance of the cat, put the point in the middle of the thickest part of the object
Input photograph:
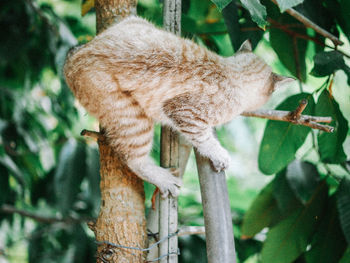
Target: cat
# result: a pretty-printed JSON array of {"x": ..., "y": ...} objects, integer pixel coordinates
[{"x": 134, "y": 74}]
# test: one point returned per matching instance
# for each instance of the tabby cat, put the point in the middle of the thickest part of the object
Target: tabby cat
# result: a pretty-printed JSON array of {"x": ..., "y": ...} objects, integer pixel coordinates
[{"x": 134, "y": 74}]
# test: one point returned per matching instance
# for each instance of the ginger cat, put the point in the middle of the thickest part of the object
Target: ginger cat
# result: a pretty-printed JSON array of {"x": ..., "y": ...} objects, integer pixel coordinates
[{"x": 134, "y": 74}]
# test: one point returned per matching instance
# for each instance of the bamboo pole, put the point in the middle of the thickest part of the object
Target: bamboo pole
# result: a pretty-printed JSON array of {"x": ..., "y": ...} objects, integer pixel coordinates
[
  {"x": 153, "y": 215},
  {"x": 169, "y": 154},
  {"x": 217, "y": 213}
]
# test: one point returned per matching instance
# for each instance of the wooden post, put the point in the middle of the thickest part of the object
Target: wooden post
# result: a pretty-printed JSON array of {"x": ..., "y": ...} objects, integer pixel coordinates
[
  {"x": 217, "y": 213},
  {"x": 153, "y": 215},
  {"x": 121, "y": 219},
  {"x": 169, "y": 153}
]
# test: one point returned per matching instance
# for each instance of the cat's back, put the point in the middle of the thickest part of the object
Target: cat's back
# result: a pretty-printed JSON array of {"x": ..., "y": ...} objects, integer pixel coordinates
[{"x": 137, "y": 36}]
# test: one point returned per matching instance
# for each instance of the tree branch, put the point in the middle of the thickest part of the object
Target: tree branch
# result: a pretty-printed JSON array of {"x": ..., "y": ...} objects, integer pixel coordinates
[
  {"x": 92, "y": 134},
  {"x": 294, "y": 117},
  {"x": 8, "y": 209},
  {"x": 308, "y": 23}
]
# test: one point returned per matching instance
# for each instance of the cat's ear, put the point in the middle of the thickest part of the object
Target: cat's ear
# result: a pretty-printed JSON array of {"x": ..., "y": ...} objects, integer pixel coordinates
[
  {"x": 279, "y": 80},
  {"x": 246, "y": 46}
]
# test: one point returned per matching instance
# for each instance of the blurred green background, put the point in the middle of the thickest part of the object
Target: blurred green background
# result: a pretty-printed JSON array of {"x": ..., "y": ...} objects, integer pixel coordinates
[{"x": 49, "y": 174}]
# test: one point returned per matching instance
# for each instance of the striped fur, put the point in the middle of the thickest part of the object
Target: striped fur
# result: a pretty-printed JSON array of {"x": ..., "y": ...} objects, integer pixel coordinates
[{"x": 133, "y": 74}]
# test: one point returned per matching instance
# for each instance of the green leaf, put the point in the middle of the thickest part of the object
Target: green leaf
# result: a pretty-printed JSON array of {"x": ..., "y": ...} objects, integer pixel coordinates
[
  {"x": 327, "y": 62},
  {"x": 12, "y": 167},
  {"x": 343, "y": 205},
  {"x": 221, "y": 4},
  {"x": 224, "y": 44},
  {"x": 346, "y": 256},
  {"x": 286, "y": 199},
  {"x": 282, "y": 139},
  {"x": 261, "y": 212},
  {"x": 286, "y": 46},
  {"x": 245, "y": 248},
  {"x": 235, "y": 20},
  {"x": 286, "y": 4},
  {"x": 328, "y": 244},
  {"x": 344, "y": 21},
  {"x": 231, "y": 18},
  {"x": 82, "y": 244},
  {"x": 257, "y": 11},
  {"x": 190, "y": 25},
  {"x": 199, "y": 10},
  {"x": 331, "y": 144},
  {"x": 340, "y": 10},
  {"x": 7, "y": 195},
  {"x": 69, "y": 174},
  {"x": 303, "y": 179},
  {"x": 287, "y": 240}
]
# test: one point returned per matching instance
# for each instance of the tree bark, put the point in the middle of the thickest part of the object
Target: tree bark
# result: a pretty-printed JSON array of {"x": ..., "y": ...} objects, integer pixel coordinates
[
  {"x": 121, "y": 220},
  {"x": 110, "y": 11}
]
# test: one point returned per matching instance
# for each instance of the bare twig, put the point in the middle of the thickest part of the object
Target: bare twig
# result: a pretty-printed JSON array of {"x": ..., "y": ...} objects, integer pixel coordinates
[
  {"x": 308, "y": 23},
  {"x": 92, "y": 134},
  {"x": 296, "y": 59},
  {"x": 8, "y": 209},
  {"x": 294, "y": 117},
  {"x": 191, "y": 230}
]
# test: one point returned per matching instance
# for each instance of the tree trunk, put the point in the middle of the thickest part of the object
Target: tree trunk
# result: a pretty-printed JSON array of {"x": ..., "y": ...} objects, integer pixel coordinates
[{"x": 121, "y": 220}]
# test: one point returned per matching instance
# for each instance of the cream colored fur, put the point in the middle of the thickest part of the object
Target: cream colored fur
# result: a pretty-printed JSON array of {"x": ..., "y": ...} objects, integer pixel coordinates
[{"x": 134, "y": 74}]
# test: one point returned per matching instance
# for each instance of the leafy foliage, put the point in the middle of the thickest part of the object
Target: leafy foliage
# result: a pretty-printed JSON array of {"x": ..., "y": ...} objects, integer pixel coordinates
[
  {"x": 282, "y": 139},
  {"x": 328, "y": 243},
  {"x": 261, "y": 214},
  {"x": 331, "y": 145},
  {"x": 301, "y": 215},
  {"x": 256, "y": 10},
  {"x": 303, "y": 179},
  {"x": 344, "y": 207},
  {"x": 327, "y": 62},
  {"x": 289, "y": 238}
]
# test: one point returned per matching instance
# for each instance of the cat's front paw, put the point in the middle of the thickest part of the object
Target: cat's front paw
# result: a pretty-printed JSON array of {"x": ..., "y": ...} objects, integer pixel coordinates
[
  {"x": 169, "y": 184},
  {"x": 220, "y": 160}
]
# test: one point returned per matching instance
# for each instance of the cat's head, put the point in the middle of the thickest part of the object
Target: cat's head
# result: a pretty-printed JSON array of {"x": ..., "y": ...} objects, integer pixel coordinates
[{"x": 260, "y": 81}]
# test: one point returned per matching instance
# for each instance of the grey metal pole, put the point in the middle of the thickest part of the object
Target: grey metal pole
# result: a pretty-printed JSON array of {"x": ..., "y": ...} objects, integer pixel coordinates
[{"x": 217, "y": 213}]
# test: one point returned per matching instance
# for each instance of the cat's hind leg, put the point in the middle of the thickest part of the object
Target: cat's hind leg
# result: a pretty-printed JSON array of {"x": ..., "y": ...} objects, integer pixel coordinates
[{"x": 130, "y": 133}]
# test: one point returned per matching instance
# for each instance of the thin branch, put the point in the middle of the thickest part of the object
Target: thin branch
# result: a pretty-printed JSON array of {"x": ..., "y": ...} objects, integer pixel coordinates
[
  {"x": 191, "y": 230},
  {"x": 308, "y": 23},
  {"x": 92, "y": 134},
  {"x": 294, "y": 117},
  {"x": 8, "y": 209},
  {"x": 296, "y": 60}
]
